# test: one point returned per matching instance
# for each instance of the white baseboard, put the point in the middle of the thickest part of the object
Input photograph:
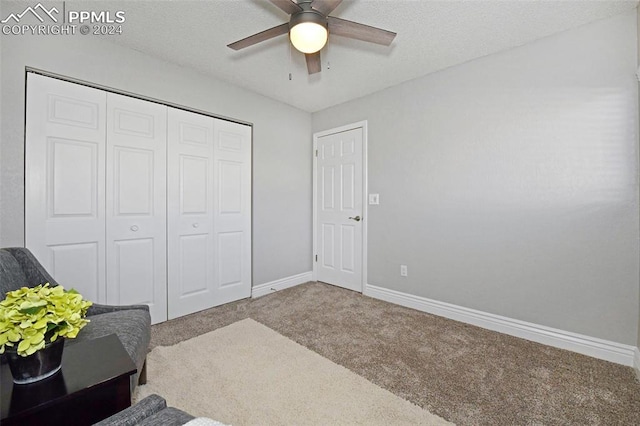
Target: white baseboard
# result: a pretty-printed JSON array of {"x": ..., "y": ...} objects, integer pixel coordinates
[
  {"x": 281, "y": 284},
  {"x": 591, "y": 346}
]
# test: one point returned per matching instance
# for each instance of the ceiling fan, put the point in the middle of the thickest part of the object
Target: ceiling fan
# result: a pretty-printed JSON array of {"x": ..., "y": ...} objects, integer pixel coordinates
[{"x": 309, "y": 27}]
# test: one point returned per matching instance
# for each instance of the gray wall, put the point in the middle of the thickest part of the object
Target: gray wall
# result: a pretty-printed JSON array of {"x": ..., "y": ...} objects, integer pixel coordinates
[
  {"x": 281, "y": 136},
  {"x": 509, "y": 184}
]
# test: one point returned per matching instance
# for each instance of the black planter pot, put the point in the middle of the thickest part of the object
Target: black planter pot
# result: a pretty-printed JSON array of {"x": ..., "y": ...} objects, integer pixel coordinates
[{"x": 38, "y": 366}]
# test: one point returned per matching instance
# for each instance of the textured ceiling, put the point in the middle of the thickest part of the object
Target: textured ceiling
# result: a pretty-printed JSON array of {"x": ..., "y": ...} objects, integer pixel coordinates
[{"x": 432, "y": 35}]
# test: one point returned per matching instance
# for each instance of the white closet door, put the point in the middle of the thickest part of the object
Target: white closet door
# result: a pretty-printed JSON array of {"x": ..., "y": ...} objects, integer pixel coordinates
[
  {"x": 232, "y": 207},
  {"x": 190, "y": 213},
  {"x": 136, "y": 204},
  {"x": 64, "y": 188}
]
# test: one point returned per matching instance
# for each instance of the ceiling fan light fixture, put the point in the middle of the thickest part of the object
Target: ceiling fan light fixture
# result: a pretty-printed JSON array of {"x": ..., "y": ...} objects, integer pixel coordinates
[{"x": 308, "y": 31}]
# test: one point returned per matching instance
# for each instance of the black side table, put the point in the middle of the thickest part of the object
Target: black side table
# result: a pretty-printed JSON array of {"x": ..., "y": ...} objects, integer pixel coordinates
[{"x": 94, "y": 383}]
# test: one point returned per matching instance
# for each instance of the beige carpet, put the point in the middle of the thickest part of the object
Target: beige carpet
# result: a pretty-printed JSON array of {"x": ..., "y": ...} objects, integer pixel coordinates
[
  {"x": 464, "y": 374},
  {"x": 247, "y": 374}
]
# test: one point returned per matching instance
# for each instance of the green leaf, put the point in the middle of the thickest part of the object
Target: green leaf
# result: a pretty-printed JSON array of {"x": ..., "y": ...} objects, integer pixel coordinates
[
  {"x": 23, "y": 345},
  {"x": 32, "y": 311},
  {"x": 37, "y": 338},
  {"x": 13, "y": 335},
  {"x": 41, "y": 323}
]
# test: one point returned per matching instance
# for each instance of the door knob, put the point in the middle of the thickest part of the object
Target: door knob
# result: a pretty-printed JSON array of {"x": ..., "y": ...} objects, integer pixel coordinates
[
  {"x": 134, "y": 228},
  {"x": 357, "y": 218},
  {"x": 195, "y": 225}
]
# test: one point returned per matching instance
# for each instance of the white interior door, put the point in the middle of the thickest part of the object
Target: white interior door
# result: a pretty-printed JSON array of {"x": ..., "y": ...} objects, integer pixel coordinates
[
  {"x": 136, "y": 204},
  {"x": 232, "y": 211},
  {"x": 339, "y": 208},
  {"x": 64, "y": 188},
  {"x": 190, "y": 176}
]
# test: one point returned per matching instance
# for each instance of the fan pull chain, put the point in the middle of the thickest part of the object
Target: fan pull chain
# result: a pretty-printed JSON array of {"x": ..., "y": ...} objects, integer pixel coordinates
[{"x": 290, "y": 76}]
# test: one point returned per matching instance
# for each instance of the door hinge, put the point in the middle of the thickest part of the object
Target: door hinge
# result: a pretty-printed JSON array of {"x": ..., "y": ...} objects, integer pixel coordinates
[
  {"x": 316, "y": 152},
  {"x": 316, "y": 257}
]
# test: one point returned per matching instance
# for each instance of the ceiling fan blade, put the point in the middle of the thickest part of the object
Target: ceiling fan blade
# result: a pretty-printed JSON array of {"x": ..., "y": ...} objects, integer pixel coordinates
[
  {"x": 287, "y": 6},
  {"x": 260, "y": 37},
  {"x": 344, "y": 28},
  {"x": 325, "y": 6},
  {"x": 313, "y": 62}
]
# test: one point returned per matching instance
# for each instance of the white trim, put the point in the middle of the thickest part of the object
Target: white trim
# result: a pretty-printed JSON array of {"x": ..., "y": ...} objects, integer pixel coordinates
[
  {"x": 132, "y": 95},
  {"x": 636, "y": 362},
  {"x": 281, "y": 284},
  {"x": 365, "y": 191},
  {"x": 586, "y": 345}
]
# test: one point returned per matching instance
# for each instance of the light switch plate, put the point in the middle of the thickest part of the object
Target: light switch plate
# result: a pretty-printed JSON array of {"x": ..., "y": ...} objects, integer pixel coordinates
[
  {"x": 374, "y": 199},
  {"x": 403, "y": 270}
]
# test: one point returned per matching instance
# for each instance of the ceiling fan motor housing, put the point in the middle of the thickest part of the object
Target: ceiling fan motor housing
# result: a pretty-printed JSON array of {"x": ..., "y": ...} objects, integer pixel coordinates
[{"x": 308, "y": 15}]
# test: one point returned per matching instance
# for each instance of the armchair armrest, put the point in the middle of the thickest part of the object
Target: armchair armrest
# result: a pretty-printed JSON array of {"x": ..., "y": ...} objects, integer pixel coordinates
[
  {"x": 136, "y": 413},
  {"x": 97, "y": 309}
]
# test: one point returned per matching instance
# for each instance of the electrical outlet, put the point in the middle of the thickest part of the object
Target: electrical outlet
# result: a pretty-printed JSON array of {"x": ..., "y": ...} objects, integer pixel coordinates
[{"x": 403, "y": 270}]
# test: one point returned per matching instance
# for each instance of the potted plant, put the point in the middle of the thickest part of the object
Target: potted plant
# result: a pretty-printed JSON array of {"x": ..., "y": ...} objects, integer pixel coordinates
[{"x": 33, "y": 324}]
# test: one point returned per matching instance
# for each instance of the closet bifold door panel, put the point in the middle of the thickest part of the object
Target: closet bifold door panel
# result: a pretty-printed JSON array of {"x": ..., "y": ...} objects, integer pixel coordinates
[
  {"x": 191, "y": 250},
  {"x": 65, "y": 182},
  {"x": 136, "y": 238},
  {"x": 232, "y": 207}
]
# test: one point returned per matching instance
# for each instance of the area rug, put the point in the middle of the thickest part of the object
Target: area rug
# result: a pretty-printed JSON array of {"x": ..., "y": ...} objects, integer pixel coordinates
[{"x": 247, "y": 374}]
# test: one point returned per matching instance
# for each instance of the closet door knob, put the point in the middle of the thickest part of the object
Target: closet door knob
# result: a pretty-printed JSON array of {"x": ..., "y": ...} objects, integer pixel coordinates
[
  {"x": 195, "y": 225},
  {"x": 134, "y": 228}
]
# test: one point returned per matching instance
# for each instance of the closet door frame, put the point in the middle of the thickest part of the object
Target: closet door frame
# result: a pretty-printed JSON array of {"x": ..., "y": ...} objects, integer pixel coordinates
[{"x": 247, "y": 248}]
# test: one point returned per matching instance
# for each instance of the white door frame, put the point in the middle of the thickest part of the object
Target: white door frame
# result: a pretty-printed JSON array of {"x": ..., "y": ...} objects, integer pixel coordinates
[{"x": 365, "y": 192}]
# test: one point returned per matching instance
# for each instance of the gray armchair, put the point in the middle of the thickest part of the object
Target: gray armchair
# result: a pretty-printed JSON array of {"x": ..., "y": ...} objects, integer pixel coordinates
[
  {"x": 132, "y": 324},
  {"x": 151, "y": 411}
]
